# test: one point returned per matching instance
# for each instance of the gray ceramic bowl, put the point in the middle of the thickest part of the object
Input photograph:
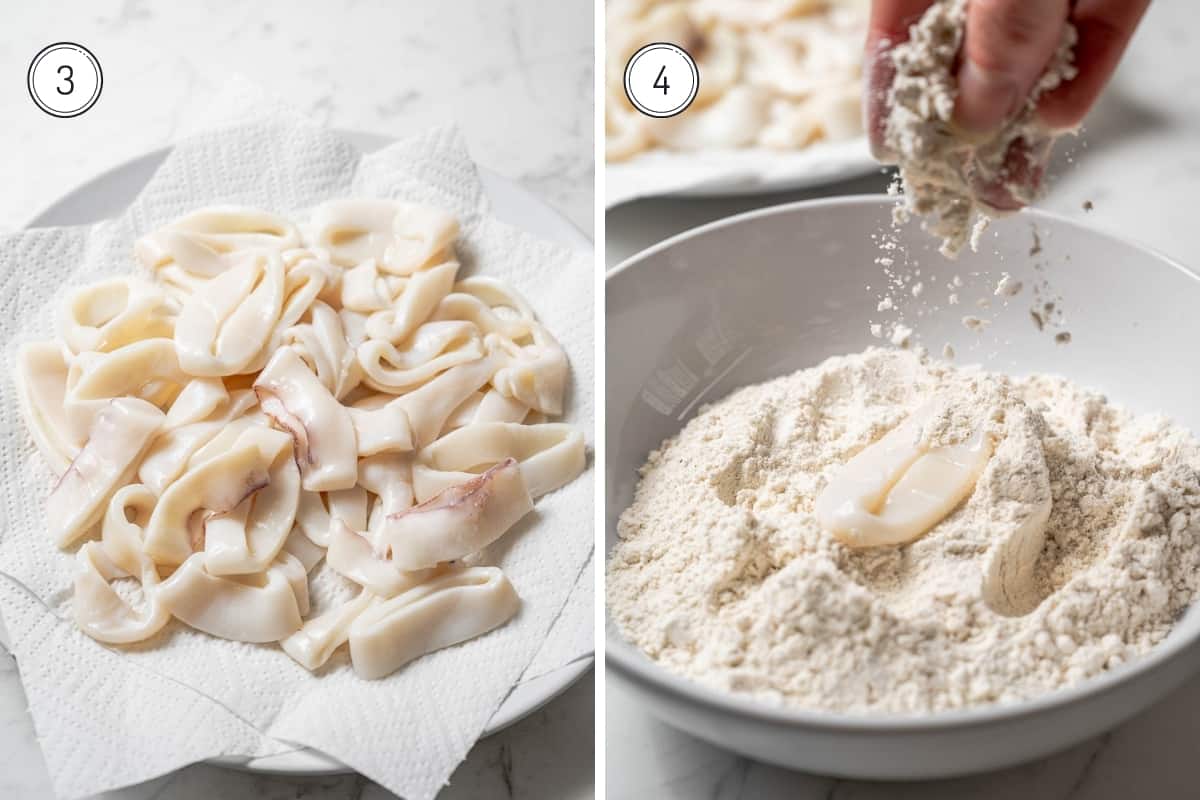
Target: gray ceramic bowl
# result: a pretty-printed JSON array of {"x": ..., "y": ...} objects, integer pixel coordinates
[{"x": 766, "y": 293}]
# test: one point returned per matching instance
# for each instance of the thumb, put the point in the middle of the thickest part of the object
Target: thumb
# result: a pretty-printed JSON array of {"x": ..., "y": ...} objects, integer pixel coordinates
[{"x": 1008, "y": 45}]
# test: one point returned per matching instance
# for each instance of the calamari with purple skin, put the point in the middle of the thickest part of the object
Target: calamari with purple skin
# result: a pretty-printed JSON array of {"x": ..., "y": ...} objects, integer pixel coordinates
[
  {"x": 388, "y": 476},
  {"x": 451, "y": 608},
  {"x": 119, "y": 436},
  {"x": 246, "y": 539},
  {"x": 550, "y": 455},
  {"x": 456, "y": 522},
  {"x": 351, "y": 555},
  {"x": 217, "y": 486},
  {"x": 326, "y": 447}
]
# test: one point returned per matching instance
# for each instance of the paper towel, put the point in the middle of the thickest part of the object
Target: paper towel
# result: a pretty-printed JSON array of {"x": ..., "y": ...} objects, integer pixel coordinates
[
  {"x": 108, "y": 717},
  {"x": 572, "y": 636}
]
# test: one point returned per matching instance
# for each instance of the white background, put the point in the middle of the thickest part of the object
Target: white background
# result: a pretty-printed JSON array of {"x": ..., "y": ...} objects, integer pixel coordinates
[
  {"x": 1139, "y": 163},
  {"x": 516, "y": 76}
]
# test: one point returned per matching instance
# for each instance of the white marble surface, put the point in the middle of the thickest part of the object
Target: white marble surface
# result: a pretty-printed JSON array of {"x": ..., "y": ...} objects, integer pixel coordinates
[
  {"x": 514, "y": 74},
  {"x": 1139, "y": 163}
]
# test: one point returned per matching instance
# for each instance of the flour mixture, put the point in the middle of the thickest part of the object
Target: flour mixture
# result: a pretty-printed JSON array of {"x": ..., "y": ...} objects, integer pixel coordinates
[{"x": 1076, "y": 550}]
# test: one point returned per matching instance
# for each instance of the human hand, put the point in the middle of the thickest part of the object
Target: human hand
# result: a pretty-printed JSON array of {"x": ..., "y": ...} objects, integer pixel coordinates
[{"x": 1006, "y": 48}]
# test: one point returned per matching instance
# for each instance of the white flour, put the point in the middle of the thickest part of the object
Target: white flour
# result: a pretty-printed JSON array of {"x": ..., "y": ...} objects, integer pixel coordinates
[
  {"x": 722, "y": 575},
  {"x": 941, "y": 168}
]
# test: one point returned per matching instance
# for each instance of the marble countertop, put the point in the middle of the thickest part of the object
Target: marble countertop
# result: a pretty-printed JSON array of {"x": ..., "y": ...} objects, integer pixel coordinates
[
  {"x": 1139, "y": 164},
  {"x": 515, "y": 75}
]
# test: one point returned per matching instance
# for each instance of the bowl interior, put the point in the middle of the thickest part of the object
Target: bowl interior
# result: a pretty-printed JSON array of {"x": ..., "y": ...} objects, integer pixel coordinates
[{"x": 767, "y": 293}]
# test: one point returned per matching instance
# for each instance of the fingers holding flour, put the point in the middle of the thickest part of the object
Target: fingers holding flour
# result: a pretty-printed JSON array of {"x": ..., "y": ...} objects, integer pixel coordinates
[
  {"x": 1105, "y": 27},
  {"x": 1006, "y": 49},
  {"x": 888, "y": 26},
  {"x": 1008, "y": 45},
  {"x": 1017, "y": 183}
]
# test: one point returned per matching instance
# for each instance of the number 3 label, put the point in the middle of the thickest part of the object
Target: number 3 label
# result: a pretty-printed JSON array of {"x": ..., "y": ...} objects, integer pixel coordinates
[
  {"x": 65, "y": 79},
  {"x": 70, "y": 83},
  {"x": 661, "y": 80}
]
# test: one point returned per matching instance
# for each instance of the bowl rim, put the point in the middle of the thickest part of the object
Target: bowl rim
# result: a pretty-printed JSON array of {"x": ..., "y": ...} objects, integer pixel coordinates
[
  {"x": 881, "y": 200},
  {"x": 633, "y": 665}
]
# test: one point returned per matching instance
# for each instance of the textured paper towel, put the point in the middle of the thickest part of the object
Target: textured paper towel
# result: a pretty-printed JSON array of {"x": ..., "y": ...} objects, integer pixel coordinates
[
  {"x": 111, "y": 717},
  {"x": 572, "y": 637}
]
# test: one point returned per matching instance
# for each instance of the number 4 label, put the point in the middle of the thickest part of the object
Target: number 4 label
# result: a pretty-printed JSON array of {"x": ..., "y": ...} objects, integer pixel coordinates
[{"x": 661, "y": 79}]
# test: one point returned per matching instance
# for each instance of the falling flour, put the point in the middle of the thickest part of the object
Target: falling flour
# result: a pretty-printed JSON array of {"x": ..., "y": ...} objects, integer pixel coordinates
[
  {"x": 941, "y": 168},
  {"x": 1008, "y": 286},
  {"x": 722, "y": 575}
]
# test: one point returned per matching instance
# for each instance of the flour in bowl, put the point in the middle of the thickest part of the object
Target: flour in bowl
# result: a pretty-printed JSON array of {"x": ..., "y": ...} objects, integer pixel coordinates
[{"x": 723, "y": 575}]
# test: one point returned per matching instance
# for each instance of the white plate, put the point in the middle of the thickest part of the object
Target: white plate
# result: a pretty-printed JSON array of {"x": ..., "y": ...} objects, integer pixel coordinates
[
  {"x": 108, "y": 194},
  {"x": 731, "y": 173}
]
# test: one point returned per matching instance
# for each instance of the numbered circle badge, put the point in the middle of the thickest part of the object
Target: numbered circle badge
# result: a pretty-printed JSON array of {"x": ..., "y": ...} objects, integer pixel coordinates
[
  {"x": 65, "y": 79},
  {"x": 661, "y": 80}
]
